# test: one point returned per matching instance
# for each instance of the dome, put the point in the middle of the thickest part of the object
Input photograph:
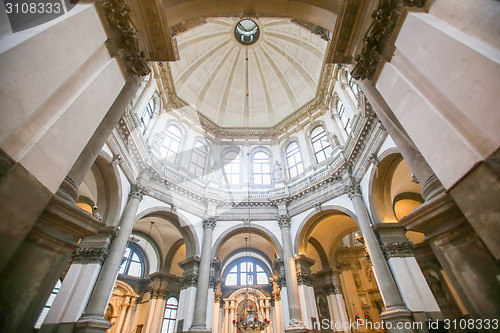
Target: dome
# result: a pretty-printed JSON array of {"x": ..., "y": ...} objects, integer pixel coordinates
[{"x": 253, "y": 84}]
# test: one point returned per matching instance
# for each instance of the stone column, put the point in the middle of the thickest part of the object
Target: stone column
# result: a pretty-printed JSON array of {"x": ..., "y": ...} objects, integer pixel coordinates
[
  {"x": 158, "y": 296},
  {"x": 200, "y": 308},
  {"x": 292, "y": 287},
  {"x": 69, "y": 187},
  {"x": 396, "y": 310},
  {"x": 336, "y": 303},
  {"x": 431, "y": 186},
  {"x": 92, "y": 319}
]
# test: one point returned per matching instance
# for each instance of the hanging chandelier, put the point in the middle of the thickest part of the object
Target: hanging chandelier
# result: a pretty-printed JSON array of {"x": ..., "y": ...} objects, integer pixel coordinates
[{"x": 249, "y": 320}]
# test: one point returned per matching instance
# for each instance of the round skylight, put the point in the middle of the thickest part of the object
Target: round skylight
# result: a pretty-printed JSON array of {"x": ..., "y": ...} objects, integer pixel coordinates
[{"x": 246, "y": 32}]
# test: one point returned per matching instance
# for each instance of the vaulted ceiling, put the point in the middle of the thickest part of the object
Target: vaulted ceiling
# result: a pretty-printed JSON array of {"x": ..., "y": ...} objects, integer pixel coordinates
[{"x": 257, "y": 85}]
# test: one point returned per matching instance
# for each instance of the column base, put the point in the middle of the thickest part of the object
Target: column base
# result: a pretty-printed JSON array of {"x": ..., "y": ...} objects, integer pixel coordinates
[
  {"x": 92, "y": 325},
  {"x": 395, "y": 316},
  {"x": 296, "y": 330},
  {"x": 200, "y": 329}
]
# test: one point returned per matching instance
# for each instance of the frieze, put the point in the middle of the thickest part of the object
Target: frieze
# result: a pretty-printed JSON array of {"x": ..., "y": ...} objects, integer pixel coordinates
[
  {"x": 124, "y": 41},
  {"x": 376, "y": 40},
  {"x": 398, "y": 249},
  {"x": 89, "y": 255}
]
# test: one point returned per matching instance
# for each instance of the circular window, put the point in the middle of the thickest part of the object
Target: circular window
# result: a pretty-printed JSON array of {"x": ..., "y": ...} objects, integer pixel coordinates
[{"x": 246, "y": 32}]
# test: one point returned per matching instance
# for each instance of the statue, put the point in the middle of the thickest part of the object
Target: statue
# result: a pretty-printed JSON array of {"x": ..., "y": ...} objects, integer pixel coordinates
[
  {"x": 278, "y": 171},
  {"x": 333, "y": 139}
]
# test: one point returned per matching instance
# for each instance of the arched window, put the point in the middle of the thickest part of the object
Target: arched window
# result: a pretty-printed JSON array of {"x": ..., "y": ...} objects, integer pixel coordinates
[
  {"x": 321, "y": 145},
  {"x": 172, "y": 143},
  {"x": 294, "y": 159},
  {"x": 48, "y": 304},
  {"x": 232, "y": 168},
  {"x": 344, "y": 117},
  {"x": 133, "y": 262},
  {"x": 352, "y": 84},
  {"x": 246, "y": 272},
  {"x": 147, "y": 115},
  {"x": 169, "y": 315},
  {"x": 198, "y": 159},
  {"x": 261, "y": 168}
]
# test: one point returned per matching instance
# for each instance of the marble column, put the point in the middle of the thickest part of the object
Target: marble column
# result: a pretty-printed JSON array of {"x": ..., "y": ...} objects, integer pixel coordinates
[
  {"x": 431, "y": 186},
  {"x": 292, "y": 287},
  {"x": 157, "y": 296},
  {"x": 200, "y": 308},
  {"x": 92, "y": 319},
  {"x": 69, "y": 187},
  {"x": 396, "y": 310}
]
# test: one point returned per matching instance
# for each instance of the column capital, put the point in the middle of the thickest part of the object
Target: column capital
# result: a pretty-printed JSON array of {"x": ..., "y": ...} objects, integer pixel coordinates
[
  {"x": 137, "y": 191},
  {"x": 209, "y": 223},
  {"x": 397, "y": 249},
  {"x": 189, "y": 280},
  {"x": 158, "y": 292},
  {"x": 85, "y": 255},
  {"x": 353, "y": 189},
  {"x": 284, "y": 221}
]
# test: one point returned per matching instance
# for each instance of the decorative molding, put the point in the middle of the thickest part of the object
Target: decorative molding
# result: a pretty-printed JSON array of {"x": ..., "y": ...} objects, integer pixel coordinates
[
  {"x": 304, "y": 278},
  {"x": 284, "y": 221},
  {"x": 333, "y": 288},
  {"x": 158, "y": 292},
  {"x": 353, "y": 189},
  {"x": 86, "y": 255},
  {"x": 190, "y": 280},
  {"x": 138, "y": 191},
  {"x": 209, "y": 223},
  {"x": 398, "y": 249},
  {"x": 124, "y": 42},
  {"x": 379, "y": 35}
]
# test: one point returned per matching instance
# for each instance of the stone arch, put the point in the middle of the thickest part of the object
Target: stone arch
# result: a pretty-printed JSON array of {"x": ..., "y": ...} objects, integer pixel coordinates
[
  {"x": 312, "y": 220},
  {"x": 244, "y": 228},
  {"x": 182, "y": 224},
  {"x": 380, "y": 186},
  {"x": 317, "y": 13},
  {"x": 109, "y": 194}
]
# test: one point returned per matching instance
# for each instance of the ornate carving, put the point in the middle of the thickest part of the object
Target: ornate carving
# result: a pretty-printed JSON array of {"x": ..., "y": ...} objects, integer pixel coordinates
[
  {"x": 117, "y": 160},
  {"x": 158, "y": 292},
  {"x": 209, "y": 223},
  {"x": 377, "y": 39},
  {"x": 305, "y": 278},
  {"x": 397, "y": 249},
  {"x": 124, "y": 39},
  {"x": 137, "y": 191},
  {"x": 284, "y": 221},
  {"x": 333, "y": 288},
  {"x": 212, "y": 282},
  {"x": 190, "y": 280},
  {"x": 353, "y": 189},
  {"x": 89, "y": 255}
]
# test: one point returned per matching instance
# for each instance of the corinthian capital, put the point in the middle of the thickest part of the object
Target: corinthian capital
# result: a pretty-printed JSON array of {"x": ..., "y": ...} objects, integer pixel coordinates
[
  {"x": 284, "y": 221},
  {"x": 209, "y": 223},
  {"x": 137, "y": 191},
  {"x": 353, "y": 189}
]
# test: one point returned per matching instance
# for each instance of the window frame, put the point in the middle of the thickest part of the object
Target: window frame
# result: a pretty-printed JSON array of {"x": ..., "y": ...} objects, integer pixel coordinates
[
  {"x": 297, "y": 162},
  {"x": 148, "y": 112},
  {"x": 172, "y": 318},
  {"x": 228, "y": 177},
  {"x": 258, "y": 166},
  {"x": 198, "y": 153},
  {"x": 342, "y": 112},
  {"x": 137, "y": 250},
  {"x": 325, "y": 149},
  {"x": 239, "y": 272},
  {"x": 48, "y": 304},
  {"x": 171, "y": 137}
]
